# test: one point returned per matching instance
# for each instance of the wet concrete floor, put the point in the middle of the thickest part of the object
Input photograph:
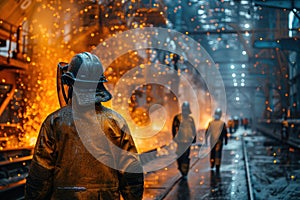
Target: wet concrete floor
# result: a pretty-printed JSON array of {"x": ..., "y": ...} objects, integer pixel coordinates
[
  {"x": 273, "y": 172},
  {"x": 274, "y": 167},
  {"x": 202, "y": 182}
]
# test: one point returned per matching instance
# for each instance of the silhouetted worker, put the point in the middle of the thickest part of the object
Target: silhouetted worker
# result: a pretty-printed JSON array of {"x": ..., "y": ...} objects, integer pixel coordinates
[
  {"x": 245, "y": 123},
  {"x": 217, "y": 132},
  {"x": 230, "y": 125},
  {"x": 184, "y": 134},
  {"x": 175, "y": 60},
  {"x": 236, "y": 123},
  {"x": 284, "y": 129},
  {"x": 84, "y": 150}
]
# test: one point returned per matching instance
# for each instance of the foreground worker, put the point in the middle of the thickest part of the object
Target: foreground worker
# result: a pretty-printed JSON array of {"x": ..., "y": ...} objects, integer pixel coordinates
[{"x": 84, "y": 150}]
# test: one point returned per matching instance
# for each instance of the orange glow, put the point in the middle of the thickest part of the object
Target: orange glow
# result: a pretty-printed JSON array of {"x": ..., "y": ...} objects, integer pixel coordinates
[
  {"x": 40, "y": 79},
  {"x": 49, "y": 33}
]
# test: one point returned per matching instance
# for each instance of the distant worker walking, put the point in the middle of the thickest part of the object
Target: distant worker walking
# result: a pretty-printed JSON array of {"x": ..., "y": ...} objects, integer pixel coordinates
[
  {"x": 284, "y": 129},
  {"x": 245, "y": 123},
  {"x": 184, "y": 134},
  {"x": 216, "y": 132},
  {"x": 230, "y": 125}
]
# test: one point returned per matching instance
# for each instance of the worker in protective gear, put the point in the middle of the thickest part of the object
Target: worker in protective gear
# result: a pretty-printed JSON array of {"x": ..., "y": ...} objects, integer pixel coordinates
[
  {"x": 84, "y": 150},
  {"x": 284, "y": 129},
  {"x": 216, "y": 133},
  {"x": 184, "y": 134},
  {"x": 230, "y": 124}
]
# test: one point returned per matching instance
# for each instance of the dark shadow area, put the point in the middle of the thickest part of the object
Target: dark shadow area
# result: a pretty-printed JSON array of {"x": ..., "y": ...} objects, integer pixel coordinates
[
  {"x": 183, "y": 190},
  {"x": 216, "y": 189}
]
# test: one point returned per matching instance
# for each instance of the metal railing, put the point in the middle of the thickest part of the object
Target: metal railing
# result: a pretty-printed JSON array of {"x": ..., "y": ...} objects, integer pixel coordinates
[{"x": 16, "y": 40}]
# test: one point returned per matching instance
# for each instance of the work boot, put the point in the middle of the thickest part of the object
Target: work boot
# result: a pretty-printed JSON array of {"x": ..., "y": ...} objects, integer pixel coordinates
[{"x": 212, "y": 164}]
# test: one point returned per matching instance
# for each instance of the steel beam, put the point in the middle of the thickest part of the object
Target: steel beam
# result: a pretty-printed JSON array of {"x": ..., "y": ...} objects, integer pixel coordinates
[
  {"x": 283, "y": 4},
  {"x": 291, "y": 44}
]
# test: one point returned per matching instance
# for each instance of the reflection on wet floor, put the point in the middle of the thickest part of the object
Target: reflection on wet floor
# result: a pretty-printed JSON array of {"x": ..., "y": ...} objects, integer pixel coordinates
[
  {"x": 183, "y": 191},
  {"x": 274, "y": 170}
]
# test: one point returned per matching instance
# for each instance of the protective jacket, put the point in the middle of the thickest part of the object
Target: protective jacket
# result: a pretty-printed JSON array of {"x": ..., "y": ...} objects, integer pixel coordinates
[
  {"x": 217, "y": 132},
  {"x": 184, "y": 134},
  {"x": 88, "y": 165},
  {"x": 183, "y": 129}
]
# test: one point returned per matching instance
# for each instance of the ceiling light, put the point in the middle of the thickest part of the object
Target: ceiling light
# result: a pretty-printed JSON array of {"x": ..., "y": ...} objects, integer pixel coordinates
[
  {"x": 201, "y": 12},
  {"x": 247, "y": 26}
]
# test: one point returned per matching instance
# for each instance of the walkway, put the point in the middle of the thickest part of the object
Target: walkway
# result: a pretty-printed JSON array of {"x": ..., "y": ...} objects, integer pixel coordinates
[{"x": 202, "y": 183}]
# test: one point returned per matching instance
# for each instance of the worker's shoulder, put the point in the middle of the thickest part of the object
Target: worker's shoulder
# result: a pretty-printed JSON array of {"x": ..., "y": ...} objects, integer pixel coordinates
[
  {"x": 111, "y": 114},
  {"x": 61, "y": 114}
]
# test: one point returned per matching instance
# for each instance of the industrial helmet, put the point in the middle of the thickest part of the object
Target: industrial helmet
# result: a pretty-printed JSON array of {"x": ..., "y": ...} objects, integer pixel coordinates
[
  {"x": 218, "y": 113},
  {"x": 84, "y": 76},
  {"x": 185, "y": 108}
]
